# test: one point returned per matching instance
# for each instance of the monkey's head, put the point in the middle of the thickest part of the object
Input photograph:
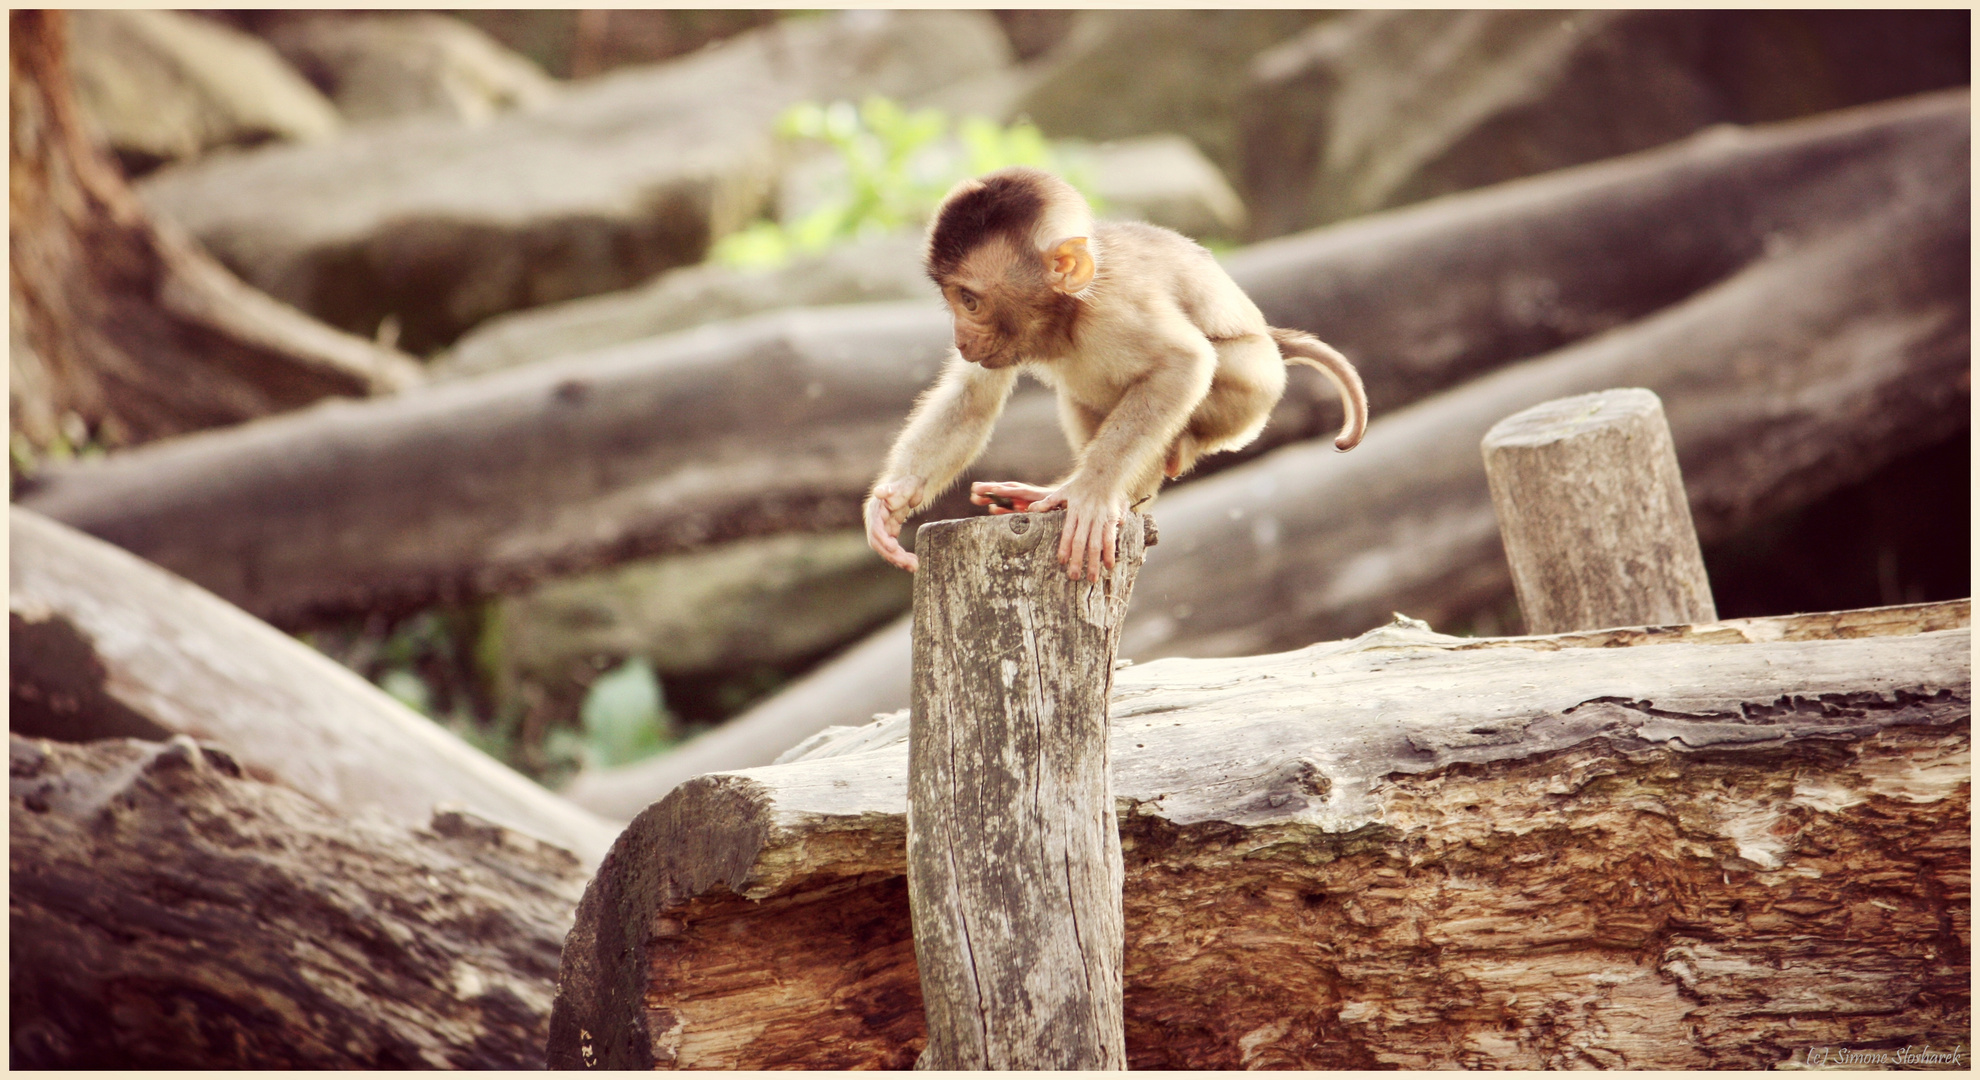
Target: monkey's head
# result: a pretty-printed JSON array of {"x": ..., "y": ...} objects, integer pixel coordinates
[{"x": 1011, "y": 252}]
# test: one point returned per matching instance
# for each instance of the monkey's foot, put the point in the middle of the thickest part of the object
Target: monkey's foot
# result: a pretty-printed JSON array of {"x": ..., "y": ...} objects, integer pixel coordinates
[{"x": 1007, "y": 497}]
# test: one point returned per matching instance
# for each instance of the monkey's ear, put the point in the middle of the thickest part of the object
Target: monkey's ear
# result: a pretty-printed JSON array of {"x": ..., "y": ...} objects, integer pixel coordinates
[{"x": 1069, "y": 265}]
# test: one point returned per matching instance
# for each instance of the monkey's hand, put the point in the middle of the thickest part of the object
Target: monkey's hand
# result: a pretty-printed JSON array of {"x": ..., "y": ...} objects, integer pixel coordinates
[
  {"x": 886, "y": 510},
  {"x": 1093, "y": 526},
  {"x": 1006, "y": 498}
]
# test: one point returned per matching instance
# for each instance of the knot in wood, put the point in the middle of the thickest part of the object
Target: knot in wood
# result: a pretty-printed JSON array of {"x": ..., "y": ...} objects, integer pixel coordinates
[{"x": 1020, "y": 524}]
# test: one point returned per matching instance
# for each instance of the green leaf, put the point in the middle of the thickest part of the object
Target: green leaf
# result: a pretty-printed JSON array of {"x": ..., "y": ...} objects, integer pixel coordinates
[
  {"x": 623, "y": 715},
  {"x": 410, "y": 689}
]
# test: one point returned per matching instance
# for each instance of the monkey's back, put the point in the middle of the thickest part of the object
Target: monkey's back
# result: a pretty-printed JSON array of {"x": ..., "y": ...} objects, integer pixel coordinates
[{"x": 1134, "y": 255}]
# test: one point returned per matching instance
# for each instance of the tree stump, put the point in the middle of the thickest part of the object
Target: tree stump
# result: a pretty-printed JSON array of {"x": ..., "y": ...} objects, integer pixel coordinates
[
  {"x": 1014, "y": 855},
  {"x": 124, "y": 329},
  {"x": 1592, "y": 510}
]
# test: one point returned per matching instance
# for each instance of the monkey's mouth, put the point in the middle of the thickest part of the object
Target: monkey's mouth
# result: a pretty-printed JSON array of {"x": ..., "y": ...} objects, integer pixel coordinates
[{"x": 993, "y": 361}]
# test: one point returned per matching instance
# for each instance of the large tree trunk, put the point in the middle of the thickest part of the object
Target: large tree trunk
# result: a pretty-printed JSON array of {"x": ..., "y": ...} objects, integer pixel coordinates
[
  {"x": 104, "y": 645},
  {"x": 167, "y": 912},
  {"x": 1708, "y": 846},
  {"x": 1796, "y": 377},
  {"x": 125, "y": 323},
  {"x": 777, "y": 423}
]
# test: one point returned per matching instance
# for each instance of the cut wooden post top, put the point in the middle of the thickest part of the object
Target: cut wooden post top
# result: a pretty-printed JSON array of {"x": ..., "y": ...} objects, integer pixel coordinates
[
  {"x": 1567, "y": 418},
  {"x": 1593, "y": 513}
]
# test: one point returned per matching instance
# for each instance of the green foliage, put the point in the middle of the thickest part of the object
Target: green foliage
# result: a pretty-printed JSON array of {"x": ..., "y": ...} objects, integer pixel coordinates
[
  {"x": 898, "y": 165},
  {"x": 624, "y": 717},
  {"x": 73, "y": 441}
]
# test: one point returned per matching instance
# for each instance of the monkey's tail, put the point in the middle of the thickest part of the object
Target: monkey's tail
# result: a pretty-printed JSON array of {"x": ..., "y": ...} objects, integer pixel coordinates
[{"x": 1300, "y": 347}]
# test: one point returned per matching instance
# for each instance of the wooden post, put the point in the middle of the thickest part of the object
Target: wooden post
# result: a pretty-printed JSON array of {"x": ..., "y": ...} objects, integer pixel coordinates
[
  {"x": 1593, "y": 514},
  {"x": 1014, "y": 856}
]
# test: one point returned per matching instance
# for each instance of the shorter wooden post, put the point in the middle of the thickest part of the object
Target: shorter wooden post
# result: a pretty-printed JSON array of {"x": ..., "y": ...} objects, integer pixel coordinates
[
  {"x": 1014, "y": 856},
  {"x": 1593, "y": 514}
]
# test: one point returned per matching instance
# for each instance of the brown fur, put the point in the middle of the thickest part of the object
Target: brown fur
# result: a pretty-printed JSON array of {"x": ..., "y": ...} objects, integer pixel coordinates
[{"x": 1157, "y": 356}]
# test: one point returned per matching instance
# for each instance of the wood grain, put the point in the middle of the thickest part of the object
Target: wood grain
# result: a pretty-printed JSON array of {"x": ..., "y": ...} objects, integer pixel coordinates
[
  {"x": 1592, "y": 513},
  {"x": 168, "y": 911},
  {"x": 103, "y": 644},
  {"x": 1640, "y": 847},
  {"x": 1014, "y": 861}
]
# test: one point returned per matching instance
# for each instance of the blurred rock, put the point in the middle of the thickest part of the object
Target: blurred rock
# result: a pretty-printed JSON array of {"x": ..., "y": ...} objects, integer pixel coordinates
[
  {"x": 1122, "y": 74},
  {"x": 604, "y": 39},
  {"x": 376, "y": 67},
  {"x": 1382, "y": 108},
  {"x": 1033, "y": 31},
  {"x": 575, "y": 44},
  {"x": 761, "y": 602},
  {"x": 162, "y": 86},
  {"x": 1162, "y": 179},
  {"x": 883, "y": 268},
  {"x": 442, "y": 226}
]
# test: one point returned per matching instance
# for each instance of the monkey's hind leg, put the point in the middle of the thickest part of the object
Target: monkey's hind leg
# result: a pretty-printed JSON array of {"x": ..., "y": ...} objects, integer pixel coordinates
[{"x": 1182, "y": 456}]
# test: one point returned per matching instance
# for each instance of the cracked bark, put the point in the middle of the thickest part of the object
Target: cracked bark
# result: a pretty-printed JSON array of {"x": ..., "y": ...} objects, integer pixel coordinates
[
  {"x": 168, "y": 911},
  {"x": 1681, "y": 847},
  {"x": 1014, "y": 864}
]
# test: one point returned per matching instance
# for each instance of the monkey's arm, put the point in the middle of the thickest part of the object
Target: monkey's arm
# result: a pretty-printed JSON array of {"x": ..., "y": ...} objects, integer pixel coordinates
[
  {"x": 947, "y": 430},
  {"x": 1125, "y": 455}
]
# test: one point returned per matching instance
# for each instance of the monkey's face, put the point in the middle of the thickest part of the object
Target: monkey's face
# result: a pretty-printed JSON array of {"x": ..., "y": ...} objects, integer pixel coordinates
[
  {"x": 982, "y": 335},
  {"x": 1003, "y": 307}
]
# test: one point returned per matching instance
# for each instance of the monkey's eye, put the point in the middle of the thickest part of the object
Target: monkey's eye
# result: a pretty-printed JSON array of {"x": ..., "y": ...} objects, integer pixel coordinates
[{"x": 968, "y": 299}]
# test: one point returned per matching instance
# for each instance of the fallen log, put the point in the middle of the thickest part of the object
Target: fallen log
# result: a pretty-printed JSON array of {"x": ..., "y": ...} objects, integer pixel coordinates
[
  {"x": 1869, "y": 329},
  {"x": 775, "y": 423},
  {"x": 1687, "y": 847},
  {"x": 124, "y": 323},
  {"x": 103, "y": 645},
  {"x": 1797, "y": 376},
  {"x": 168, "y": 912}
]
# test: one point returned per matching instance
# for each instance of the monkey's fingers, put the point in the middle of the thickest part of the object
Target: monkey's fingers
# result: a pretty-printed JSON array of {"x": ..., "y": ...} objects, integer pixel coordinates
[
  {"x": 1069, "y": 542},
  {"x": 1051, "y": 501},
  {"x": 883, "y": 530},
  {"x": 1012, "y": 495},
  {"x": 1100, "y": 548},
  {"x": 893, "y": 552}
]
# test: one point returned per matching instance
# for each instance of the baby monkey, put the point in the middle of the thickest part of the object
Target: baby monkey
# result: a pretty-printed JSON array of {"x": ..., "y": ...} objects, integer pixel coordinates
[{"x": 1157, "y": 356}]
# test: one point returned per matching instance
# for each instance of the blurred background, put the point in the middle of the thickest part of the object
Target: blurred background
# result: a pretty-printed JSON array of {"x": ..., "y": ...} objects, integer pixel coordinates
[{"x": 447, "y": 205}]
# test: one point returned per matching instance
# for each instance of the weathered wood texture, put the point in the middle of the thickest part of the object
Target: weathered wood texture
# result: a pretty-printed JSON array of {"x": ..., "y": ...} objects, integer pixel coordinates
[
  {"x": 125, "y": 322},
  {"x": 1662, "y": 848},
  {"x": 1013, "y": 853},
  {"x": 168, "y": 912},
  {"x": 775, "y": 423},
  {"x": 1869, "y": 324},
  {"x": 104, "y": 645},
  {"x": 1592, "y": 513}
]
